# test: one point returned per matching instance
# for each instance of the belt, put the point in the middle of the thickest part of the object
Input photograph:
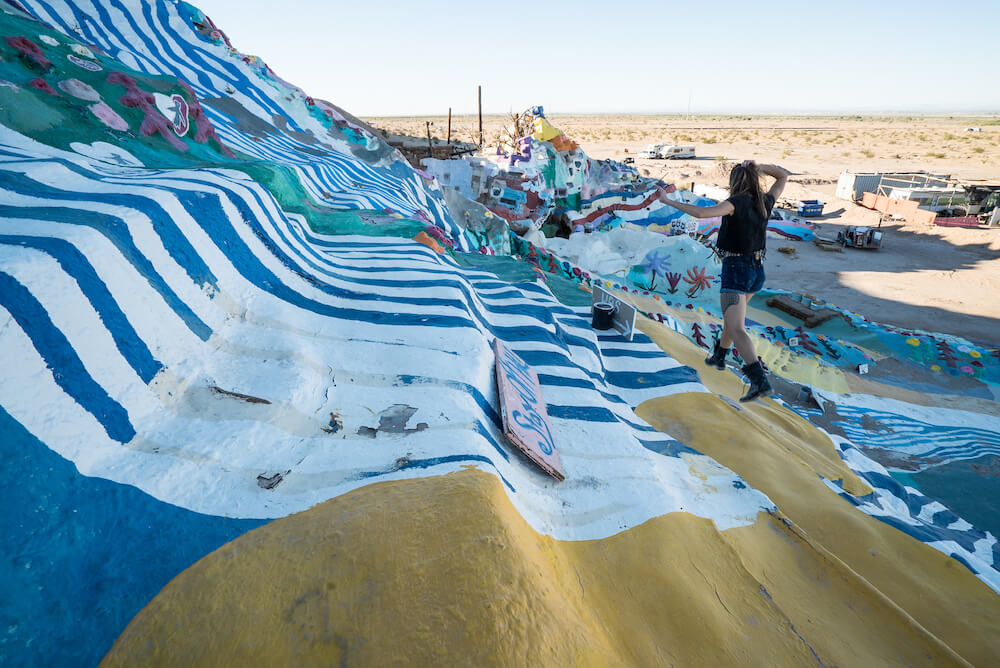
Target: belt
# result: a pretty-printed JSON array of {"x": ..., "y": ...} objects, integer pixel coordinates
[{"x": 757, "y": 256}]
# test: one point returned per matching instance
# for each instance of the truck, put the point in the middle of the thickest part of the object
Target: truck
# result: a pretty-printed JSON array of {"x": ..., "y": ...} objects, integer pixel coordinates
[{"x": 651, "y": 152}]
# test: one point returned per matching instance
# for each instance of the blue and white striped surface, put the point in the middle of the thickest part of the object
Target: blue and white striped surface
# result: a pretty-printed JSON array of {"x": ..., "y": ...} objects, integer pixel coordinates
[
  {"x": 919, "y": 516},
  {"x": 129, "y": 293},
  {"x": 924, "y": 436},
  {"x": 155, "y": 38}
]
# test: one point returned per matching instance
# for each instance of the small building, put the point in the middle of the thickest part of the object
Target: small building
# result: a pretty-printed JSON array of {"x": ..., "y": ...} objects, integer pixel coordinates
[
  {"x": 934, "y": 199},
  {"x": 853, "y": 185}
]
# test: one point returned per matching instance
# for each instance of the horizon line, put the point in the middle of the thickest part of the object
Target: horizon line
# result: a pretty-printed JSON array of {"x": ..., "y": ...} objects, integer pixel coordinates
[{"x": 807, "y": 114}]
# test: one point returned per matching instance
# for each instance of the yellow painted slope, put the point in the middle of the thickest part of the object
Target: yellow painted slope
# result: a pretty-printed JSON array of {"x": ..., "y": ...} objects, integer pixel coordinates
[
  {"x": 444, "y": 571},
  {"x": 782, "y": 455}
]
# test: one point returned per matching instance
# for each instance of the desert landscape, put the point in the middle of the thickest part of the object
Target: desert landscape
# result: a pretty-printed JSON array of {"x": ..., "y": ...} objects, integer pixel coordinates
[{"x": 924, "y": 276}]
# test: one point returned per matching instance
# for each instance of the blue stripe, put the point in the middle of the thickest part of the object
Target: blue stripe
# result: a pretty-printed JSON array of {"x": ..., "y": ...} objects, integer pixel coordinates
[
  {"x": 176, "y": 243},
  {"x": 437, "y": 461},
  {"x": 73, "y": 262},
  {"x": 115, "y": 230},
  {"x": 582, "y": 413},
  {"x": 637, "y": 354},
  {"x": 67, "y": 369},
  {"x": 636, "y": 380}
]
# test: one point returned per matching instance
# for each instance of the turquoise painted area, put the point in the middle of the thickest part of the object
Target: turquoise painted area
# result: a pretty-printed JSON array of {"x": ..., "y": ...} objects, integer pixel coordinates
[
  {"x": 83, "y": 555},
  {"x": 515, "y": 271},
  {"x": 969, "y": 488}
]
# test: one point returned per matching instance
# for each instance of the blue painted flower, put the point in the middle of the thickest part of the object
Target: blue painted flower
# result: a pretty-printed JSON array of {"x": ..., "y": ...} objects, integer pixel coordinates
[{"x": 656, "y": 262}]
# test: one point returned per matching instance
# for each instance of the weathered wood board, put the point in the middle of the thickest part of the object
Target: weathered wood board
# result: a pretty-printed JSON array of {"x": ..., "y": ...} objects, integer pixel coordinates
[{"x": 525, "y": 420}]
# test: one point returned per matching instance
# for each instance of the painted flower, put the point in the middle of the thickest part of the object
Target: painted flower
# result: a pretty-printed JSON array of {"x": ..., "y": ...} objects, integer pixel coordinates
[
  {"x": 655, "y": 263},
  {"x": 698, "y": 279},
  {"x": 974, "y": 353},
  {"x": 963, "y": 349},
  {"x": 935, "y": 367},
  {"x": 966, "y": 369},
  {"x": 913, "y": 341}
]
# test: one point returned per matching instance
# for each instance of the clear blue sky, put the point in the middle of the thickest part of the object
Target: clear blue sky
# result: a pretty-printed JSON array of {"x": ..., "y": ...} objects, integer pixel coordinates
[{"x": 400, "y": 58}]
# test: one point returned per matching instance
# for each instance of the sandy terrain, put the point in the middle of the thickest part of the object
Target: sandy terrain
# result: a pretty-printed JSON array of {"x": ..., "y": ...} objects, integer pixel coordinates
[{"x": 934, "y": 278}]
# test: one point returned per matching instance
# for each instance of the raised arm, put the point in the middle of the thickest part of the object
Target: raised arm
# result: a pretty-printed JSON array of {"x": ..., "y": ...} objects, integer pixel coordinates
[
  {"x": 720, "y": 209},
  {"x": 780, "y": 176}
]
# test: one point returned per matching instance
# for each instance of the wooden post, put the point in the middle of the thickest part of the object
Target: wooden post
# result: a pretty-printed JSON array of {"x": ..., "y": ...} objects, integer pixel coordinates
[
  {"x": 449, "y": 127},
  {"x": 430, "y": 146},
  {"x": 480, "y": 117}
]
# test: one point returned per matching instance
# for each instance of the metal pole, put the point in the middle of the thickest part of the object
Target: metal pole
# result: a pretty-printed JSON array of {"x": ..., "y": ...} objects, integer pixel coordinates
[
  {"x": 449, "y": 127},
  {"x": 430, "y": 146},
  {"x": 480, "y": 117}
]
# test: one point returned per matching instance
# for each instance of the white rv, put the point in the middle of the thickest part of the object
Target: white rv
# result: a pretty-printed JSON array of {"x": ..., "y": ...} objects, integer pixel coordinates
[
  {"x": 674, "y": 151},
  {"x": 651, "y": 151}
]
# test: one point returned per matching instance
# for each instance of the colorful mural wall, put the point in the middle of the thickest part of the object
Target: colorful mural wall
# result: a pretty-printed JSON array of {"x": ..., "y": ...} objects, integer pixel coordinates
[{"x": 248, "y": 410}]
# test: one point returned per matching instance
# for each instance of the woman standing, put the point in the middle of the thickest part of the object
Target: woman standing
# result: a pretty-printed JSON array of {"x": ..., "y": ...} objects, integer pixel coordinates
[{"x": 741, "y": 244}]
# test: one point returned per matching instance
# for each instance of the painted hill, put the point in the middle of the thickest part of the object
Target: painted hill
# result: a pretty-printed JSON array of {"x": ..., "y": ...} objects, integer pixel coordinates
[{"x": 248, "y": 410}]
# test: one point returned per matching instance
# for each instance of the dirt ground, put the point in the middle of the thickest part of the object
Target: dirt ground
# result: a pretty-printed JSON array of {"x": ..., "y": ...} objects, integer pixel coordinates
[{"x": 927, "y": 277}]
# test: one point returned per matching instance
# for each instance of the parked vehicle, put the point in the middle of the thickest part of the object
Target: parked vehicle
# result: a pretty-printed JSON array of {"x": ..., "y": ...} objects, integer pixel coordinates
[
  {"x": 675, "y": 151},
  {"x": 651, "y": 152},
  {"x": 860, "y": 237}
]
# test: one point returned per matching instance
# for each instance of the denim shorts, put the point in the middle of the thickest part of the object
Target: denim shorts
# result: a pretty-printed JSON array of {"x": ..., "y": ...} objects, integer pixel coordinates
[{"x": 742, "y": 274}]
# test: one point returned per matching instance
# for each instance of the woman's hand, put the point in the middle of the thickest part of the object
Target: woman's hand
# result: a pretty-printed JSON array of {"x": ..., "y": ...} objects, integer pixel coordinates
[
  {"x": 773, "y": 171},
  {"x": 661, "y": 194},
  {"x": 663, "y": 190}
]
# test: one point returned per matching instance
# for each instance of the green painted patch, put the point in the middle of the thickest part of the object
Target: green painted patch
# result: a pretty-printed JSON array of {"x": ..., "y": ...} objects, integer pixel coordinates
[{"x": 514, "y": 270}]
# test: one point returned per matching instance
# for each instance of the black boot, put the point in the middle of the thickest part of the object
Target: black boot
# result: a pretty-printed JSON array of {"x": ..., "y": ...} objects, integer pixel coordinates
[
  {"x": 759, "y": 387},
  {"x": 718, "y": 357}
]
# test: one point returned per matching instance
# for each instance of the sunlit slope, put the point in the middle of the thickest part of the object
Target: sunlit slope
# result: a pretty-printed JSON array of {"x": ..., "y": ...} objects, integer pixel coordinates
[{"x": 445, "y": 571}]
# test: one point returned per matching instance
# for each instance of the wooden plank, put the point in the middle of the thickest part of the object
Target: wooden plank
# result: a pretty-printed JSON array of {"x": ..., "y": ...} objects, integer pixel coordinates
[
  {"x": 793, "y": 307},
  {"x": 525, "y": 420}
]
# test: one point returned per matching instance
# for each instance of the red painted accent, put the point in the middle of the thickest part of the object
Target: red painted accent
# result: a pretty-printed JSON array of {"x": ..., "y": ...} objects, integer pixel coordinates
[
  {"x": 42, "y": 84},
  {"x": 29, "y": 51},
  {"x": 154, "y": 122},
  {"x": 594, "y": 215},
  {"x": 205, "y": 130}
]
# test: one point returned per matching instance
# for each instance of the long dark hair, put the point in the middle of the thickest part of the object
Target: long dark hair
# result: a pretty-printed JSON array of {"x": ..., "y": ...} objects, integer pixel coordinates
[{"x": 744, "y": 179}]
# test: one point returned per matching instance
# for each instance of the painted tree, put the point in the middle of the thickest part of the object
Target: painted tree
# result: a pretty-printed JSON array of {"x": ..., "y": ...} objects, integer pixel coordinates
[
  {"x": 806, "y": 341},
  {"x": 673, "y": 279},
  {"x": 698, "y": 335},
  {"x": 945, "y": 353}
]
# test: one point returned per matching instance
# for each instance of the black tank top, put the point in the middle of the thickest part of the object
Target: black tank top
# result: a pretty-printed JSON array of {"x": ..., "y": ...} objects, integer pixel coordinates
[{"x": 744, "y": 230}]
